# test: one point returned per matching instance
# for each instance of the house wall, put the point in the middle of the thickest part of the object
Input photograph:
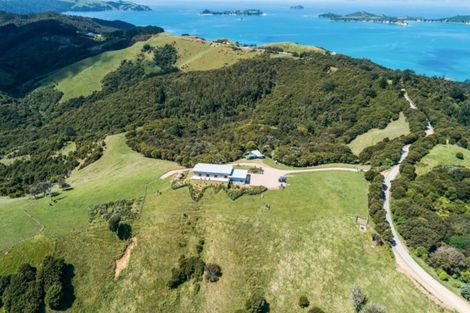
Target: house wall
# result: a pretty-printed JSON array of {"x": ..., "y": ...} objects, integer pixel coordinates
[
  {"x": 238, "y": 181},
  {"x": 210, "y": 176}
]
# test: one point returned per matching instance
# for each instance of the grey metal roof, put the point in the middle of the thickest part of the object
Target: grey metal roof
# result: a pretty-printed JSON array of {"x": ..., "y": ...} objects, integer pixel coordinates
[
  {"x": 239, "y": 174},
  {"x": 257, "y": 153},
  {"x": 213, "y": 168}
]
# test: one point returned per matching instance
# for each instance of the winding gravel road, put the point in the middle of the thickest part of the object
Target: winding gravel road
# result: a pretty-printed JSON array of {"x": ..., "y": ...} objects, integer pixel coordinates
[
  {"x": 408, "y": 264},
  {"x": 404, "y": 259}
]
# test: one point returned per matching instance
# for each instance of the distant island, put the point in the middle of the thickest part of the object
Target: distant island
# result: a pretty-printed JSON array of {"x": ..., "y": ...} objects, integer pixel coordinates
[
  {"x": 363, "y": 16},
  {"x": 35, "y": 6},
  {"x": 297, "y": 7},
  {"x": 250, "y": 12}
]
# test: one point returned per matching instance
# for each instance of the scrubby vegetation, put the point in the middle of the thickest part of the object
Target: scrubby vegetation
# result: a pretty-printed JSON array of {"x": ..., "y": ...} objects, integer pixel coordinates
[
  {"x": 126, "y": 209},
  {"x": 431, "y": 213}
]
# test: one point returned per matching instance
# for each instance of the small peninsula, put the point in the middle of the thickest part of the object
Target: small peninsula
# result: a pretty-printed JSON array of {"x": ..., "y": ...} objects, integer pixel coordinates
[
  {"x": 250, "y": 12},
  {"x": 363, "y": 16}
]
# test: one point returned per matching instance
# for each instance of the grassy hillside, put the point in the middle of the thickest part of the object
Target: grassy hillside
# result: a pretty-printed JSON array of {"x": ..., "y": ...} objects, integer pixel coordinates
[
  {"x": 307, "y": 243},
  {"x": 393, "y": 130},
  {"x": 32, "y": 46},
  {"x": 443, "y": 155},
  {"x": 84, "y": 77}
]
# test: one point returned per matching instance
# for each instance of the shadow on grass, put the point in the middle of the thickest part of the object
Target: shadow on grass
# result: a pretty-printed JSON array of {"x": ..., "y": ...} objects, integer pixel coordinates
[
  {"x": 69, "y": 290},
  {"x": 124, "y": 232}
]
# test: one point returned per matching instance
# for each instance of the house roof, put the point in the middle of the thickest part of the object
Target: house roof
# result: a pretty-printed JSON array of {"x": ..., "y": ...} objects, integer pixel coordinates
[
  {"x": 256, "y": 153},
  {"x": 213, "y": 168},
  {"x": 239, "y": 174}
]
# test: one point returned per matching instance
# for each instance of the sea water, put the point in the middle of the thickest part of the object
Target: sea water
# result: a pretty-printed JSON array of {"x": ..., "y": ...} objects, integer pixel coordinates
[{"x": 433, "y": 49}]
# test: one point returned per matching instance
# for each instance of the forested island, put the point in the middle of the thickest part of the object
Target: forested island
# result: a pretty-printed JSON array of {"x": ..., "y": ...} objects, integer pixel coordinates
[
  {"x": 250, "y": 12},
  {"x": 363, "y": 16}
]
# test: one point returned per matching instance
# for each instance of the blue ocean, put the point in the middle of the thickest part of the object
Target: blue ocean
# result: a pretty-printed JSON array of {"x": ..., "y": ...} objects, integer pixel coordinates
[{"x": 433, "y": 49}]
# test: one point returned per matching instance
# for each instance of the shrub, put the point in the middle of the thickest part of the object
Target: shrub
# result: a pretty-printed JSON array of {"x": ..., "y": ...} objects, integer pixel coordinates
[
  {"x": 316, "y": 309},
  {"x": 465, "y": 291},
  {"x": 200, "y": 246},
  {"x": 449, "y": 259},
  {"x": 213, "y": 272},
  {"x": 303, "y": 302},
  {"x": 187, "y": 269},
  {"x": 358, "y": 298},
  {"x": 459, "y": 155},
  {"x": 442, "y": 275},
  {"x": 257, "y": 304}
]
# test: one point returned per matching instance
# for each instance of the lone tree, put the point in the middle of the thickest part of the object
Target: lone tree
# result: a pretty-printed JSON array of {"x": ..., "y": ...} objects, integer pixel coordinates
[
  {"x": 165, "y": 57},
  {"x": 114, "y": 223},
  {"x": 358, "y": 298},
  {"x": 459, "y": 155}
]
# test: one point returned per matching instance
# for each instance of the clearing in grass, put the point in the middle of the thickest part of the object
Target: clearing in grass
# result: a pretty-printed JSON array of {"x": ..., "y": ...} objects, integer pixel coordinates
[
  {"x": 443, "y": 155},
  {"x": 393, "y": 130}
]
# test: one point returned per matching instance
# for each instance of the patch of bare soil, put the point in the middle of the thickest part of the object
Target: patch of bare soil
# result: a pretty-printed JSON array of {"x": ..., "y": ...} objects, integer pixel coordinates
[{"x": 122, "y": 262}]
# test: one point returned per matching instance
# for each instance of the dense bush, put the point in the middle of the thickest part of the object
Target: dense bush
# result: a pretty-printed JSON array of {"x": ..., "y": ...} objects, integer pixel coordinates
[
  {"x": 377, "y": 212},
  {"x": 126, "y": 209},
  {"x": 29, "y": 291},
  {"x": 431, "y": 215}
]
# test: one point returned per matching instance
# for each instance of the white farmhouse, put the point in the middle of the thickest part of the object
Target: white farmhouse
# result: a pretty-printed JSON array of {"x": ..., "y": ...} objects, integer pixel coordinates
[{"x": 220, "y": 173}]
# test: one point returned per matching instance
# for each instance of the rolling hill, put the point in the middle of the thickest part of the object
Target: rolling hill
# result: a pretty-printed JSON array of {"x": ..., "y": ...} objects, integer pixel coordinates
[
  {"x": 34, "y": 45},
  {"x": 72, "y": 160}
]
